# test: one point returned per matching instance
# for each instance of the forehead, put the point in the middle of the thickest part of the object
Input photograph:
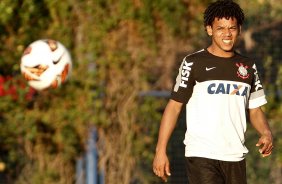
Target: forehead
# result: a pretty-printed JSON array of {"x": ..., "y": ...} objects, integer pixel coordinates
[{"x": 231, "y": 21}]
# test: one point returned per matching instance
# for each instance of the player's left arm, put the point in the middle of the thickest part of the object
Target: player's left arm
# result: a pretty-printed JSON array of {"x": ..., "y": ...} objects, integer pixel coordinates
[{"x": 259, "y": 121}]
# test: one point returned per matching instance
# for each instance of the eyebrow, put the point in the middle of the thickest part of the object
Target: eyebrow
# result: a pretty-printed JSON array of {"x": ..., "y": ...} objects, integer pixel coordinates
[{"x": 233, "y": 26}]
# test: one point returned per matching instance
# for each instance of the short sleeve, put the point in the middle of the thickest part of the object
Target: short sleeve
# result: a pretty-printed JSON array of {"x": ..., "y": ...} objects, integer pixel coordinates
[
  {"x": 184, "y": 83},
  {"x": 257, "y": 95}
]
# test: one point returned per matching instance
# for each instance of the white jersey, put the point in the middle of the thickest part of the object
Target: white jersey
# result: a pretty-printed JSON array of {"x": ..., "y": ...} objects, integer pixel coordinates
[{"x": 217, "y": 91}]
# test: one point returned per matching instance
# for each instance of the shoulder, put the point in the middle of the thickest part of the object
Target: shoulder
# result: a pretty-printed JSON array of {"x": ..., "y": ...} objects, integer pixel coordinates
[
  {"x": 244, "y": 58},
  {"x": 247, "y": 62},
  {"x": 195, "y": 54}
]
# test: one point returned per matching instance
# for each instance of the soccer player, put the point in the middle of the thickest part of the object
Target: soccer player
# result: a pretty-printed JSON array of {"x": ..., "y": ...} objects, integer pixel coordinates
[{"x": 219, "y": 87}]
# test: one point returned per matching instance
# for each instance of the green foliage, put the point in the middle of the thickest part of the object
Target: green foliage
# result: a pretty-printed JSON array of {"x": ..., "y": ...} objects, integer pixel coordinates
[
  {"x": 119, "y": 48},
  {"x": 7, "y": 8},
  {"x": 148, "y": 125}
]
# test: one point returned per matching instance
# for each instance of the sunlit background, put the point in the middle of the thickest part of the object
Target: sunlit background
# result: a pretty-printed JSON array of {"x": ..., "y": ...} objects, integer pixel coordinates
[{"x": 101, "y": 125}]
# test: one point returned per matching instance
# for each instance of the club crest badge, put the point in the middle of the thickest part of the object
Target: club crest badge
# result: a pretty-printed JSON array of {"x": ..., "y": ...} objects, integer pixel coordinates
[{"x": 242, "y": 71}]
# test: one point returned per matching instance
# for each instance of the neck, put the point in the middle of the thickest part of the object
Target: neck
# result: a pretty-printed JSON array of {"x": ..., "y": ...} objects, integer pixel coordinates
[{"x": 221, "y": 53}]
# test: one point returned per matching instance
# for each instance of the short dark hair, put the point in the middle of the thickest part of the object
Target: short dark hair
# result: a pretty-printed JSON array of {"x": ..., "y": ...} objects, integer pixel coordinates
[{"x": 223, "y": 9}]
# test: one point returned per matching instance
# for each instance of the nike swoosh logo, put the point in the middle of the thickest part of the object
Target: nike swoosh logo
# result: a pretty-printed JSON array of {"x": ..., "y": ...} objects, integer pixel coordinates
[
  {"x": 208, "y": 69},
  {"x": 56, "y": 61}
]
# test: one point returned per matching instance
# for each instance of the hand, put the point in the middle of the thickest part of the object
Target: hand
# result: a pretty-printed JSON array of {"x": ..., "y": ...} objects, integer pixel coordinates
[
  {"x": 161, "y": 166},
  {"x": 266, "y": 145}
]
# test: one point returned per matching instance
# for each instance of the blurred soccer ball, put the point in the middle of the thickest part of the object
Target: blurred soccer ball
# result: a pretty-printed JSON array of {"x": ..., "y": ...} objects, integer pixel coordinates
[{"x": 46, "y": 63}]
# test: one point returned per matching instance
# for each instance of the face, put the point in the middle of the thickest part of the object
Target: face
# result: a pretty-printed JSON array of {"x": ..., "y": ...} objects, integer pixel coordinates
[{"x": 224, "y": 33}]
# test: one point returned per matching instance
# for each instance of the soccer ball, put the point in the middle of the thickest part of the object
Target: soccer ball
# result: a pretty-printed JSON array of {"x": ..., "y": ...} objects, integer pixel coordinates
[{"x": 46, "y": 64}]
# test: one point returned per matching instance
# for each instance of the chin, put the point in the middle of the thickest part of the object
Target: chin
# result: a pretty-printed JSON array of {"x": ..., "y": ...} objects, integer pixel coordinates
[{"x": 228, "y": 49}]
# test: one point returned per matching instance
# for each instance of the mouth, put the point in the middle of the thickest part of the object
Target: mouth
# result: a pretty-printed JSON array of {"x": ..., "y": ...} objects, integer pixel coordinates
[{"x": 227, "y": 41}]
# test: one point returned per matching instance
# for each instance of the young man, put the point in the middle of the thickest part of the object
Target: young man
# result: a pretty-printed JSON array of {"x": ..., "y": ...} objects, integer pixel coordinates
[{"x": 218, "y": 87}]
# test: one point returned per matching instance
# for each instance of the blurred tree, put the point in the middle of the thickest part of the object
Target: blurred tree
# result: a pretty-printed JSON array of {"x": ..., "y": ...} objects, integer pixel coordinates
[
  {"x": 119, "y": 49},
  {"x": 262, "y": 41}
]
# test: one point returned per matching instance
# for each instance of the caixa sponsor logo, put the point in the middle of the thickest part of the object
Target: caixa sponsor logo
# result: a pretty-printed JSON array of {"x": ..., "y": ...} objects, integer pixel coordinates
[
  {"x": 230, "y": 89},
  {"x": 185, "y": 73}
]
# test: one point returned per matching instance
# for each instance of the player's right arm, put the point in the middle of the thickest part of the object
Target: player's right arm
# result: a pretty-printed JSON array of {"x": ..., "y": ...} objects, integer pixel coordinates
[{"x": 168, "y": 122}]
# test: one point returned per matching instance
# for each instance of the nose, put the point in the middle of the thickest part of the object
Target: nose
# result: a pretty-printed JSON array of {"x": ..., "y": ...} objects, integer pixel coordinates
[{"x": 227, "y": 32}]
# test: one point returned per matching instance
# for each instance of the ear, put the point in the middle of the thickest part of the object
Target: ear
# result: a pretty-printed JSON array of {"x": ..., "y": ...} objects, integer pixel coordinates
[
  {"x": 240, "y": 29},
  {"x": 209, "y": 30}
]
